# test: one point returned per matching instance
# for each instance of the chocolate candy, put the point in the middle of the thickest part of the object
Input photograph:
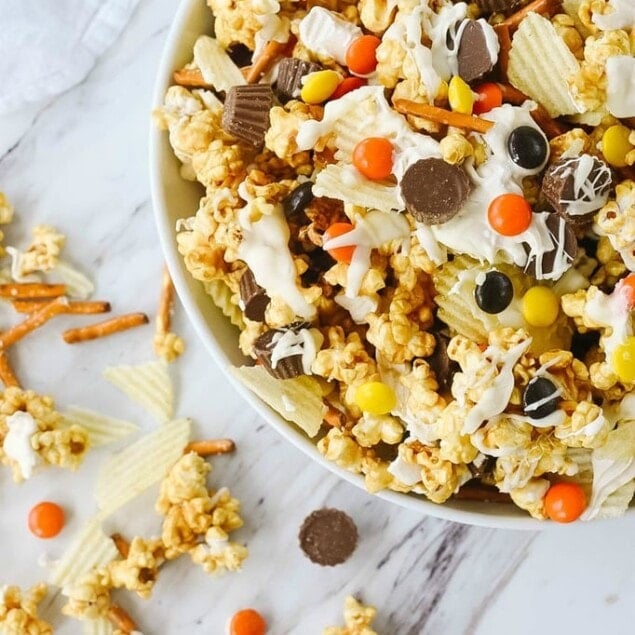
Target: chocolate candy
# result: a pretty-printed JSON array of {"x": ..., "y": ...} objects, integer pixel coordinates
[
  {"x": 253, "y": 296},
  {"x": 495, "y": 293},
  {"x": 434, "y": 191},
  {"x": 577, "y": 187},
  {"x": 291, "y": 70},
  {"x": 298, "y": 199},
  {"x": 555, "y": 224},
  {"x": 527, "y": 147},
  {"x": 240, "y": 54},
  {"x": 328, "y": 537},
  {"x": 500, "y": 6},
  {"x": 444, "y": 368},
  {"x": 246, "y": 112},
  {"x": 473, "y": 55},
  {"x": 288, "y": 362},
  {"x": 540, "y": 398}
]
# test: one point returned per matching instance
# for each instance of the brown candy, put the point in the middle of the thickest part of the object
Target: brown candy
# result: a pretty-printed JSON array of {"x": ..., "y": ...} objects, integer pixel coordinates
[
  {"x": 286, "y": 367},
  {"x": 328, "y": 537},
  {"x": 291, "y": 70},
  {"x": 579, "y": 184},
  {"x": 499, "y": 6},
  {"x": 444, "y": 368},
  {"x": 434, "y": 191},
  {"x": 253, "y": 296},
  {"x": 555, "y": 224},
  {"x": 246, "y": 112},
  {"x": 473, "y": 56}
]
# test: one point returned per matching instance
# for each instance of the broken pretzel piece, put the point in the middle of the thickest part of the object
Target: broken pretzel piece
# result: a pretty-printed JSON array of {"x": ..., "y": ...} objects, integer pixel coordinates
[
  {"x": 443, "y": 116},
  {"x": 34, "y": 321},
  {"x": 7, "y": 376},
  {"x": 265, "y": 61},
  {"x": 74, "y": 307},
  {"x": 190, "y": 77},
  {"x": 210, "y": 447},
  {"x": 108, "y": 327},
  {"x": 24, "y": 290},
  {"x": 121, "y": 619},
  {"x": 166, "y": 303},
  {"x": 543, "y": 7},
  {"x": 123, "y": 546}
]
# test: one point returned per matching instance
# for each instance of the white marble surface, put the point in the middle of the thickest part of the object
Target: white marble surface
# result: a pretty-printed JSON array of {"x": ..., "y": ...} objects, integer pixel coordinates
[{"x": 80, "y": 163}]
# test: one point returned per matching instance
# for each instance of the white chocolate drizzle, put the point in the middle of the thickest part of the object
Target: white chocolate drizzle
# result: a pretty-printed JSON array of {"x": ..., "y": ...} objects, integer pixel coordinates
[
  {"x": 304, "y": 342},
  {"x": 17, "y": 442},
  {"x": 620, "y": 85},
  {"x": 622, "y": 16}
]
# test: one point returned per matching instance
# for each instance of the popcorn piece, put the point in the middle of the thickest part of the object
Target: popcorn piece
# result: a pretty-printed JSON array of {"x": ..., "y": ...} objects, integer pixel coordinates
[
  {"x": 586, "y": 428},
  {"x": 168, "y": 346},
  {"x": 139, "y": 570},
  {"x": 616, "y": 221},
  {"x": 89, "y": 597},
  {"x": 41, "y": 255},
  {"x": 18, "y": 611},
  {"x": 531, "y": 496},
  {"x": 371, "y": 429},
  {"x": 6, "y": 210},
  {"x": 357, "y": 619}
]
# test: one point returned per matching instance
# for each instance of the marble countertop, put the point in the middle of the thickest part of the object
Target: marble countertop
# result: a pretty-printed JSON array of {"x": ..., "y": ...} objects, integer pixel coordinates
[{"x": 79, "y": 162}]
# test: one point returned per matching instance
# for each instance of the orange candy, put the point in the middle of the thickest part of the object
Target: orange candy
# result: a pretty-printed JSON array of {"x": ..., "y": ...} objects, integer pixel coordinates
[
  {"x": 347, "y": 85},
  {"x": 46, "y": 520},
  {"x": 247, "y": 622},
  {"x": 489, "y": 96},
  {"x": 565, "y": 502},
  {"x": 341, "y": 254},
  {"x": 373, "y": 157},
  {"x": 509, "y": 214},
  {"x": 626, "y": 287},
  {"x": 360, "y": 55}
]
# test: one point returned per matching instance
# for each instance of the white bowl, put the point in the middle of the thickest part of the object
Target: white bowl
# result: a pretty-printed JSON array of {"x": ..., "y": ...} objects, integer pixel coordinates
[{"x": 176, "y": 198}]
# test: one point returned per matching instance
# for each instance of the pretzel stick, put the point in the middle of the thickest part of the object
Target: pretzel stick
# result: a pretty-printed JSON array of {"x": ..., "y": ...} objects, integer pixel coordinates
[
  {"x": 549, "y": 7},
  {"x": 120, "y": 618},
  {"x": 191, "y": 77},
  {"x": 269, "y": 55},
  {"x": 6, "y": 372},
  {"x": 107, "y": 327},
  {"x": 166, "y": 303},
  {"x": 34, "y": 321},
  {"x": 441, "y": 115},
  {"x": 123, "y": 546},
  {"x": 210, "y": 447},
  {"x": 549, "y": 126},
  {"x": 23, "y": 290},
  {"x": 505, "y": 44},
  {"x": 74, "y": 307}
]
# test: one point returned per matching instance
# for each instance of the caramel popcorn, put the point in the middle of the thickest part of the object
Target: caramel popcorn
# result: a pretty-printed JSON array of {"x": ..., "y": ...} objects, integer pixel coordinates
[
  {"x": 168, "y": 346},
  {"x": 89, "y": 597},
  {"x": 138, "y": 571},
  {"x": 43, "y": 252},
  {"x": 358, "y": 619},
  {"x": 6, "y": 210},
  {"x": 19, "y": 611},
  {"x": 51, "y": 440}
]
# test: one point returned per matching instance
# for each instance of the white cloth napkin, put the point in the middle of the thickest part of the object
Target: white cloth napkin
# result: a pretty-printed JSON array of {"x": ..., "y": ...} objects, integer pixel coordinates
[{"x": 47, "y": 46}]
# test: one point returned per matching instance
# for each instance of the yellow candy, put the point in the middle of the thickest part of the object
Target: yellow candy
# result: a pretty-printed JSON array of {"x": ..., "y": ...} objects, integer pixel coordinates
[
  {"x": 541, "y": 306},
  {"x": 624, "y": 360},
  {"x": 375, "y": 397},
  {"x": 460, "y": 96},
  {"x": 319, "y": 86},
  {"x": 615, "y": 145}
]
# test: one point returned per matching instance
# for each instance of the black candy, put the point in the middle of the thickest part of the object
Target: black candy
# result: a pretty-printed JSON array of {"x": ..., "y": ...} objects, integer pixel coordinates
[
  {"x": 495, "y": 293},
  {"x": 537, "y": 389},
  {"x": 527, "y": 147},
  {"x": 298, "y": 199}
]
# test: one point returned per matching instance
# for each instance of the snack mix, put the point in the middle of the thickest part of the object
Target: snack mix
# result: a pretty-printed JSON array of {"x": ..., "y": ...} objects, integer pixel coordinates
[{"x": 426, "y": 209}]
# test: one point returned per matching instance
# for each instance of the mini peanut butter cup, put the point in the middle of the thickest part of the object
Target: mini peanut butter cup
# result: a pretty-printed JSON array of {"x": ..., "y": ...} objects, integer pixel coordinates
[
  {"x": 577, "y": 188},
  {"x": 291, "y": 70},
  {"x": 285, "y": 367},
  {"x": 499, "y": 6},
  {"x": 434, "y": 191},
  {"x": 254, "y": 297},
  {"x": 328, "y": 537},
  {"x": 544, "y": 263},
  {"x": 473, "y": 56},
  {"x": 246, "y": 112}
]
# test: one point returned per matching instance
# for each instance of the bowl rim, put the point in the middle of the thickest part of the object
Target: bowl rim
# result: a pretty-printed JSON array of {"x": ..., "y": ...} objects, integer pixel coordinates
[{"x": 461, "y": 511}]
